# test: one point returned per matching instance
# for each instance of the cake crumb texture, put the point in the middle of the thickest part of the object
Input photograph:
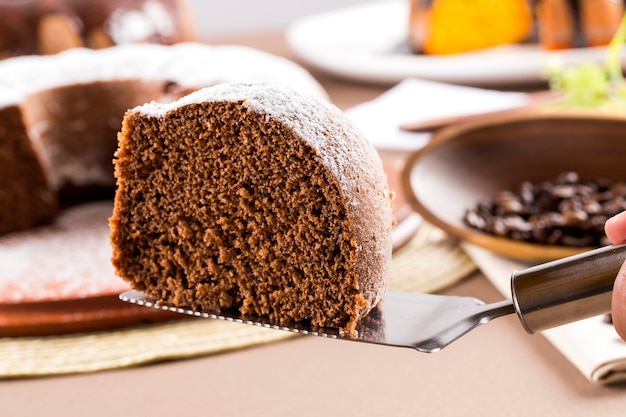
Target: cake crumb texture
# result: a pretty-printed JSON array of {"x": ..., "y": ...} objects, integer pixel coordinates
[
  {"x": 28, "y": 201},
  {"x": 252, "y": 197}
]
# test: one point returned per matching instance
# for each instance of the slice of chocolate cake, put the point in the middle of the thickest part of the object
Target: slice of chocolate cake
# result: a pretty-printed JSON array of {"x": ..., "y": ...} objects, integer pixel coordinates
[{"x": 252, "y": 197}]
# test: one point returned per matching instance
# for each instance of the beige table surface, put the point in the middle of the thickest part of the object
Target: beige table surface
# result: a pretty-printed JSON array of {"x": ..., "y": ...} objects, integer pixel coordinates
[{"x": 496, "y": 370}]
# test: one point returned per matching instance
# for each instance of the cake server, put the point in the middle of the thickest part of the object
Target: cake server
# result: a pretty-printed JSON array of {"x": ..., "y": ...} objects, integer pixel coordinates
[{"x": 543, "y": 296}]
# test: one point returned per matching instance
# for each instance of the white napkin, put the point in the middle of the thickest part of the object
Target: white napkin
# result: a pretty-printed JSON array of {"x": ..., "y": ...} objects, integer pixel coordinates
[
  {"x": 415, "y": 100},
  {"x": 592, "y": 345}
]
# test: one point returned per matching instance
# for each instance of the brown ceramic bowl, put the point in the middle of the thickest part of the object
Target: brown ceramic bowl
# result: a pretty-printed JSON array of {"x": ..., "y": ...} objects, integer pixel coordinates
[{"x": 468, "y": 163}]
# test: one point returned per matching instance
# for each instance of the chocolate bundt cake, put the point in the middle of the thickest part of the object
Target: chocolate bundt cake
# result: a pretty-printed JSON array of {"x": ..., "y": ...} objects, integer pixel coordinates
[
  {"x": 252, "y": 197},
  {"x": 44, "y": 27},
  {"x": 60, "y": 114}
]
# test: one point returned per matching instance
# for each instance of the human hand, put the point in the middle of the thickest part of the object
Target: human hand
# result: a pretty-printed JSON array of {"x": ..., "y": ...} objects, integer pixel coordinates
[{"x": 615, "y": 229}]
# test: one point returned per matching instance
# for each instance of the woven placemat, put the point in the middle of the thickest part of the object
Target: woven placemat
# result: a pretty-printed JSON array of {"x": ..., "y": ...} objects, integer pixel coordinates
[{"x": 429, "y": 262}]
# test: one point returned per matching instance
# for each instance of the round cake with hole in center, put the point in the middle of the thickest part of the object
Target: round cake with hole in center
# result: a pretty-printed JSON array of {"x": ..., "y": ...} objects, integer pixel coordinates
[
  {"x": 256, "y": 198},
  {"x": 45, "y": 27}
]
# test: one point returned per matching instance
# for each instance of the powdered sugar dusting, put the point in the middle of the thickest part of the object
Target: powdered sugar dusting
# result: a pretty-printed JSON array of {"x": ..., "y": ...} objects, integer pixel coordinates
[
  {"x": 69, "y": 259},
  {"x": 191, "y": 65},
  {"x": 137, "y": 25},
  {"x": 335, "y": 138}
]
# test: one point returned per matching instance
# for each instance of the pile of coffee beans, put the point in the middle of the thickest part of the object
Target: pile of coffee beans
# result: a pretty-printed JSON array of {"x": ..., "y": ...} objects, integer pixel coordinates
[{"x": 565, "y": 211}]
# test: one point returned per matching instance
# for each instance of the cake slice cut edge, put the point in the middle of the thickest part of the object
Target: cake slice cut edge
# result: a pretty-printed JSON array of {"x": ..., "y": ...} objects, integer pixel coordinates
[{"x": 253, "y": 197}]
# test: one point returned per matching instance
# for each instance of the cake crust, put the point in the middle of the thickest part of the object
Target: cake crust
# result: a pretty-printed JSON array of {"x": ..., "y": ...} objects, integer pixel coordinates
[{"x": 252, "y": 197}]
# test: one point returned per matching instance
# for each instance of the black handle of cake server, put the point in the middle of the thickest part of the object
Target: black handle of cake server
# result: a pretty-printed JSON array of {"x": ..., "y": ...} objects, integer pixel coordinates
[{"x": 566, "y": 290}]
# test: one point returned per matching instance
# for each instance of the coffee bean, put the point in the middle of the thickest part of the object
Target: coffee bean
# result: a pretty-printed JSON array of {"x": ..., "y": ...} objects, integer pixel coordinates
[
  {"x": 562, "y": 211},
  {"x": 575, "y": 218}
]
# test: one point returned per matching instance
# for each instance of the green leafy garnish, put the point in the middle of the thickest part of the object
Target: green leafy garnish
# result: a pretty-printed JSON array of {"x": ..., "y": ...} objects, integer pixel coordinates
[{"x": 593, "y": 85}]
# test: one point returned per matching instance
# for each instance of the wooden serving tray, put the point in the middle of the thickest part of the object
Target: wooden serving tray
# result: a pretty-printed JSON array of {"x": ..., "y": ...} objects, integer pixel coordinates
[{"x": 72, "y": 316}]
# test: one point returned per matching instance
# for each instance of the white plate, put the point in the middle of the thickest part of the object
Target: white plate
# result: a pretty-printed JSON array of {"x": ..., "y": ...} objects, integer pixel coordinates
[{"x": 368, "y": 43}]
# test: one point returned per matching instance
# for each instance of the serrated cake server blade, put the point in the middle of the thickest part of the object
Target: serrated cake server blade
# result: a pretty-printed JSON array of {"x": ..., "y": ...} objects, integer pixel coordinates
[{"x": 543, "y": 296}]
